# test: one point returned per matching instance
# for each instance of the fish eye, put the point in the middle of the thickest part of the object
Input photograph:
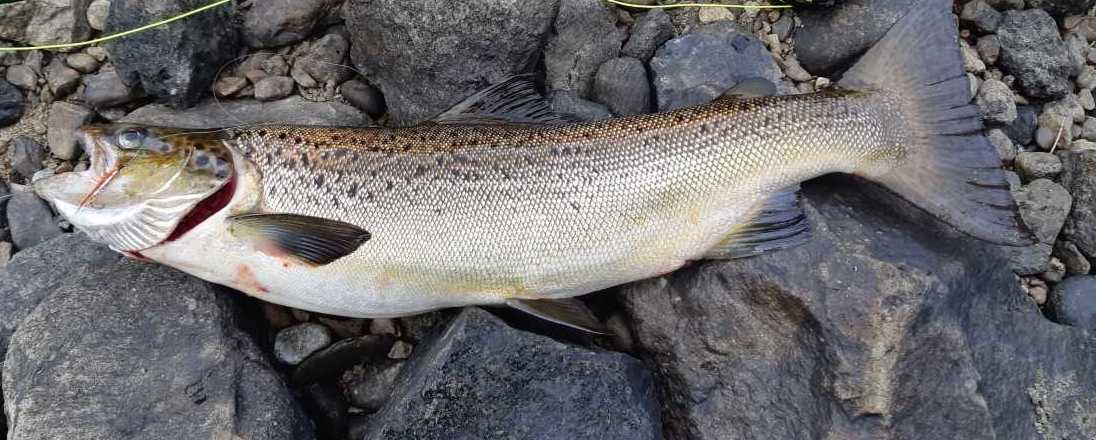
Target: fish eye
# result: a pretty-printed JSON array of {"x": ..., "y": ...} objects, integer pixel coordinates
[{"x": 131, "y": 139}]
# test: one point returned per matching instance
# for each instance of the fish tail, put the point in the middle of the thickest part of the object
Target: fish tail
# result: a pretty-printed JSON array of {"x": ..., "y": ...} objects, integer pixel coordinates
[{"x": 949, "y": 168}]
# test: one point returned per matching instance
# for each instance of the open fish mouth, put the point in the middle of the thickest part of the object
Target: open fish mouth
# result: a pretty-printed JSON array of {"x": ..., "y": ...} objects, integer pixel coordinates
[{"x": 133, "y": 202}]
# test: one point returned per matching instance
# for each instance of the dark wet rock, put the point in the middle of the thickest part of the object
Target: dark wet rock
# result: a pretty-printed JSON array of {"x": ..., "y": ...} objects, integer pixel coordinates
[
  {"x": 585, "y": 37},
  {"x": 1033, "y": 165},
  {"x": 621, "y": 84},
  {"x": 648, "y": 33},
  {"x": 1044, "y": 206},
  {"x": 30, "y": 220},
  {"x": 484, "y": 379},
  {"x": 567, "y": 102},
  {"x": 1033, "y": 52},
  {"x": 363, "y": 96},
  {"x": 292, "y": 110},
  {"x": 273, "y": 88},
  {"x": 1074, "y": 301},
  {"x": 22, "y": 77},
  {"x": 292, "y": 345},
  {"x": 699, "y": 66},
  {"x": 341, "y": 356},
  {"x": 996, "y": 102},
  {"x": 981, "y": 15},
  {"x": 111, "y": 348},
  {"x": 25, "y": 156},
  {"x": 325, "y": 58},
  {"x": 327, "y": 405},
  {"x": 1022, "y": 129},
  {"x": 1079, "y": 177},
  {"x": 43, "y": 22},
  {"x": 369, "y": 385},
  {"x": 175, "y": 63},
  {"x": 425, "y": 58},
  {"x": 883, "y": 315},
  {"x": 64, "y": 119},
  {"x": 1074, "y": 261},
  {"x": 106, "y": 89},
  {"x": 1062, "y": 8},
  {"x": 272, "y": 23},
  {"x": 11, "y": 103},
  {"x": 784, "y": 26},
  {"x": 833, "y": 37}
]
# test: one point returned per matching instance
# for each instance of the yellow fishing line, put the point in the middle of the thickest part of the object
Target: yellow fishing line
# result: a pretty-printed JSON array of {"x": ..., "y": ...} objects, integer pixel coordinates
[
  {"x": 120, "y": 34},
  {"x": 695, "y": 5}
]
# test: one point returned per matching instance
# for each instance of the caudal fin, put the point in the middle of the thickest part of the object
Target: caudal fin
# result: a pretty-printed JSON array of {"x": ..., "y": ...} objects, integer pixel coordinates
[{"x": 951, "y": 171}]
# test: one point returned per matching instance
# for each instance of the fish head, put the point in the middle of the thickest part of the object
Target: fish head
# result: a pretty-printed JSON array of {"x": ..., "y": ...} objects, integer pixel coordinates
[{"x": 142, "y": 183}]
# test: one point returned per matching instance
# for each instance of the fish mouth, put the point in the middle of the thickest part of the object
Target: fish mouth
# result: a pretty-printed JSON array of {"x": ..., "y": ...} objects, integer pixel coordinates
[{"x": 204, "y": 210}]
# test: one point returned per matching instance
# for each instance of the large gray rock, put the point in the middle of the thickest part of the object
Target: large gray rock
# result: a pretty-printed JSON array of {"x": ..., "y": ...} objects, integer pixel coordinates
[
  {"x": 30, "y": 220},
  {"x": 1079, "y": 178},
  {"x": 1034, "y": 53},
  {"x": 39, "y": 22},
  {"x": 648, "y": 33},
  {"x": 106, "y": 89},
  {"x": 482, "y": 379},
  {"x": 833, "y": 37},
  {"x": 621, "y": 84},
  {"x": 1073, "y": 301},
  {"x": 426, "y": 58},
  {"x": 175, "y": 63},
  {"x": 272, "y": 23},
  {"x": 292, "y": 110},
  {"x": 699, "y": 66},
  {"x": 585, "y": 37},
  {"x": 126, "y": 350},
  {"x": 884, "y": 325},
  {"x": 1044, "y": 206}
]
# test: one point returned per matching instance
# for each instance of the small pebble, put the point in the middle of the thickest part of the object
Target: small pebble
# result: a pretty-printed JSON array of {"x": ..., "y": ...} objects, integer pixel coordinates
[
  {"x": 303, "y": 78},
  {"x": 23, "y": 77},
  {"x": 273, "y": 87},
  {"x": 1072, "y": 259},
  {"x": 1033, "y": 165},
  {"x": 363, "y": 96},
  {"x": 1037, "y": 290},
  {"x": 383, "y": 326},
  {"x": 276, "y": 66},
  {"x": 82, "y": 62},
  {"x": 400, "y": 350},
  {"x": 989, "y": 48},
  {"x": 1005, "y": 148},
  {"x": 229, "y": 85},
  {"x": 1054, "y": 274},
  {"x": 293, "y": 344},
  {"x": 5, "y": 253}
]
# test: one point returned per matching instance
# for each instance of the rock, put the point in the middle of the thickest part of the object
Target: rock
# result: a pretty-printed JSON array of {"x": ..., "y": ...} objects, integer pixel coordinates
[
  {"x": 302, "y": 78},
  {"x": 370, "y": 385},
  {"x": 425, "y": 59},
  {"x": 341, "y": 356},
  {"x": 64, "y": 119},
  {"x": 41, "y": 22},
  {"x": 1044, "y": 206},
  {"x": 1083, "y": 25},
  {"x": 621, "y": 84},
  {"x": 1022, "y": 129},
  {"x": 325, "y": 59},
  {"x": 1013, "y": 180},
  {"x": 650, "y": 31},
  {"x": 996, "y": 102},
  {"x": 981, "y": 15},
  {"x": 273, "y": 87},
  {"x": 585, "y": 37},
  {"x": 1087, "y": 78},
  {"x": 783, "y": 27},
  {"x": 11, "y": 104},
  {"x": 1038, "y": 290},
  {"x": 1074, "y": 302},
  {"x": 483, "y": 379},
  {"x": 292, "y": 110},
  {"x": 1037, "y": 165},
  {"x": 883, "y": 314},
  {"x": 832, "y": 37},
  {"x": 363, "y": 96},
  {"x": 971, "y": 61},
  {"x": 5, "y": 253},
  {"x": 1087, "y": 101},
  {"x": 988, "y": 49},
  {"x": 110, "y": 348},
  {"x": 229, "y": 85},
  {"x": 97, "y": 13},
  {"x": 567, "y": 102},
  {"x": 793, "y": 70},
  {"x": 1005, "y": 148},
  {"x": 23, "y": 77},
  {"x": 1079, "y": 178},
  {"x": 1032, "y": 51},
  {"x": 699, "y": 66},
  {"x": 255, "y": 75},
  {"x": 106, "y": 89},
  {"x": 26, "y": 156},
  {"x": 1062, "y": 8},
  {"x": 276, "y": 65},
  {"x": 1057, "y": 119},
  {"x": 176, "y": 63},
  {"x": 1081, "y": 144},
  {"x": 1071, "y": 257},
  {"x": 82, "y": 62},
  {"x": 62, "y": 80},
  {"x": 292, "y": 345},
  {"x": 400, "y": 350},
  {"x": 1088, "y": 130},
  {"x": 275, "y": 23},
  {"x": 327, "y": 406},
  {"x": 712, "y": 15},
  {"x": 1077, "y": 48},
  {"x": 30, "y": 220}
]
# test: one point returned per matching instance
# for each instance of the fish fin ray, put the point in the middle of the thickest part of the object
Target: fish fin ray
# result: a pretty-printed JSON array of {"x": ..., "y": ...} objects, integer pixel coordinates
[
  {"x": 515, "y": 100},
  {"x": 751, "y": 88},
  {"x": 776, "y": 223},
  {"x": 568, "y": 312},
  {"x": 311, "y": 240}
]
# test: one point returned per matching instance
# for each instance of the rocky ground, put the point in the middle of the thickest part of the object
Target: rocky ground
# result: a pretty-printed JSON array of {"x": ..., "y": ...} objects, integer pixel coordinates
[{"x": 885, "y": 325}]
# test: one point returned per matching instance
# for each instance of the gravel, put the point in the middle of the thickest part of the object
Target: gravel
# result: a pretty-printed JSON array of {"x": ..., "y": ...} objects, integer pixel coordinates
[{"x": 293, "y": 344}]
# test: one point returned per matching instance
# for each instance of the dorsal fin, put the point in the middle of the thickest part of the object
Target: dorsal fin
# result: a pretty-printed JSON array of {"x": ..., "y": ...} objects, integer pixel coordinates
[
  {"x": 776, "y": 223},
  {"x": 513, "y": 101}
]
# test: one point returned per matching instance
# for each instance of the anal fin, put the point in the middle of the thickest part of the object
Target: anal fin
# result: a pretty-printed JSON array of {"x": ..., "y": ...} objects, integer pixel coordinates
[
  {"x": 776, "y": 223},
  {"x": 569, "y": 312}
]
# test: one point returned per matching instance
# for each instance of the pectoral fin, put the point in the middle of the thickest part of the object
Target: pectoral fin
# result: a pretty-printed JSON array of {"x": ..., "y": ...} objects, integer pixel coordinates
[
  {"x": 776, "y": 223},
  {"x": 565, "y": 311},
  {"x": 311, "y": 240}
]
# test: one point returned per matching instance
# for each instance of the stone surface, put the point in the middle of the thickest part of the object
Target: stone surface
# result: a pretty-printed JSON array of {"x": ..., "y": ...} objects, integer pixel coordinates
[
  {"x": 97, "y": 13},
  {"x": 699, "y": 66},
  {"x": 370, "y": 385},
  {"x": 585, "y": 37},
  {"x": 82, "y": 62},
  {"x": 1033, "y": 165},
  {"x": 1005, "y": 148},
  {"x": 11, "y": 103},
  {"x": 1079, "y": 178},
  {"x": 425, "y": 58},
  {"x": 988, "y": 48},
  {"x": 1074, "y": 301},
  {"x": 483, "y": 379},
  {"x": 40, "y": 22},
  {"x": 1022, "y": 129},
  {"x": 273, "y": 88},
  {"x": 1074, "y": 261},
  {"x": 996, "y": 102},
  {"x": 621, "y": 84},
  {"x": 293, "y": 344},
  {"x": 106, "y": 89},
  {"x": 1044, "y": 206},
  {"x": 648, "y": 33},
  {"x": 833, "y": 37},
  {"x": 292, "y": 110},
  {"x": 30, "y": 220},
  {"x": 22, "y": 76},
  {"x": 61, "y": 79},
  {"x": 175, "y": 63},
  {"x": 1034, "y": 53},
  {"x": 884, "y": 325},
  {"x": 110, "y": 348},
  {"x": 1029, "y": 260},
  {"x": 229, "y": 85},
  {"x": 25, "y": 156},
  {"x": 325, "y": 59},
  {"x": 1057, "y": 120},
  {"x": 567, "y": 102},
  {"x": 64, "y": 119},
  {"x": 1062, "y": 8},
  {"x": 363, "y": 96},
  {"x": 981, "y": 15},
  {"x": 274, "y": 23}
]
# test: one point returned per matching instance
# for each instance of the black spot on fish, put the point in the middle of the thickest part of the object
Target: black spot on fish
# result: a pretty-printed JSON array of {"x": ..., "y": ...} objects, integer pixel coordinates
[
  {"x": 269, "y": 157},
  {"x": 318, "y": 180},
  {"x": 297, "y": 140},
  {"x": 352, "y": 190},
  {"x": 340, "y": 153},
  {"x": 262, "y": 133},
  {"x": 282, "y": 136},
  {"x": 304, "y": 159},
  {"x": 388, "y": 185}
]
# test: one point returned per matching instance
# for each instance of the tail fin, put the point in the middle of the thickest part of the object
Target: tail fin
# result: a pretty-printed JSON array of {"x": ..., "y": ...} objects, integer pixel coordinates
[{"x": 952, "y": 171}]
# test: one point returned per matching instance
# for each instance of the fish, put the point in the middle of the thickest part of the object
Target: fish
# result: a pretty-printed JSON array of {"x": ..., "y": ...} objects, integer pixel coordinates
[{"x": 501, "y": 201}]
